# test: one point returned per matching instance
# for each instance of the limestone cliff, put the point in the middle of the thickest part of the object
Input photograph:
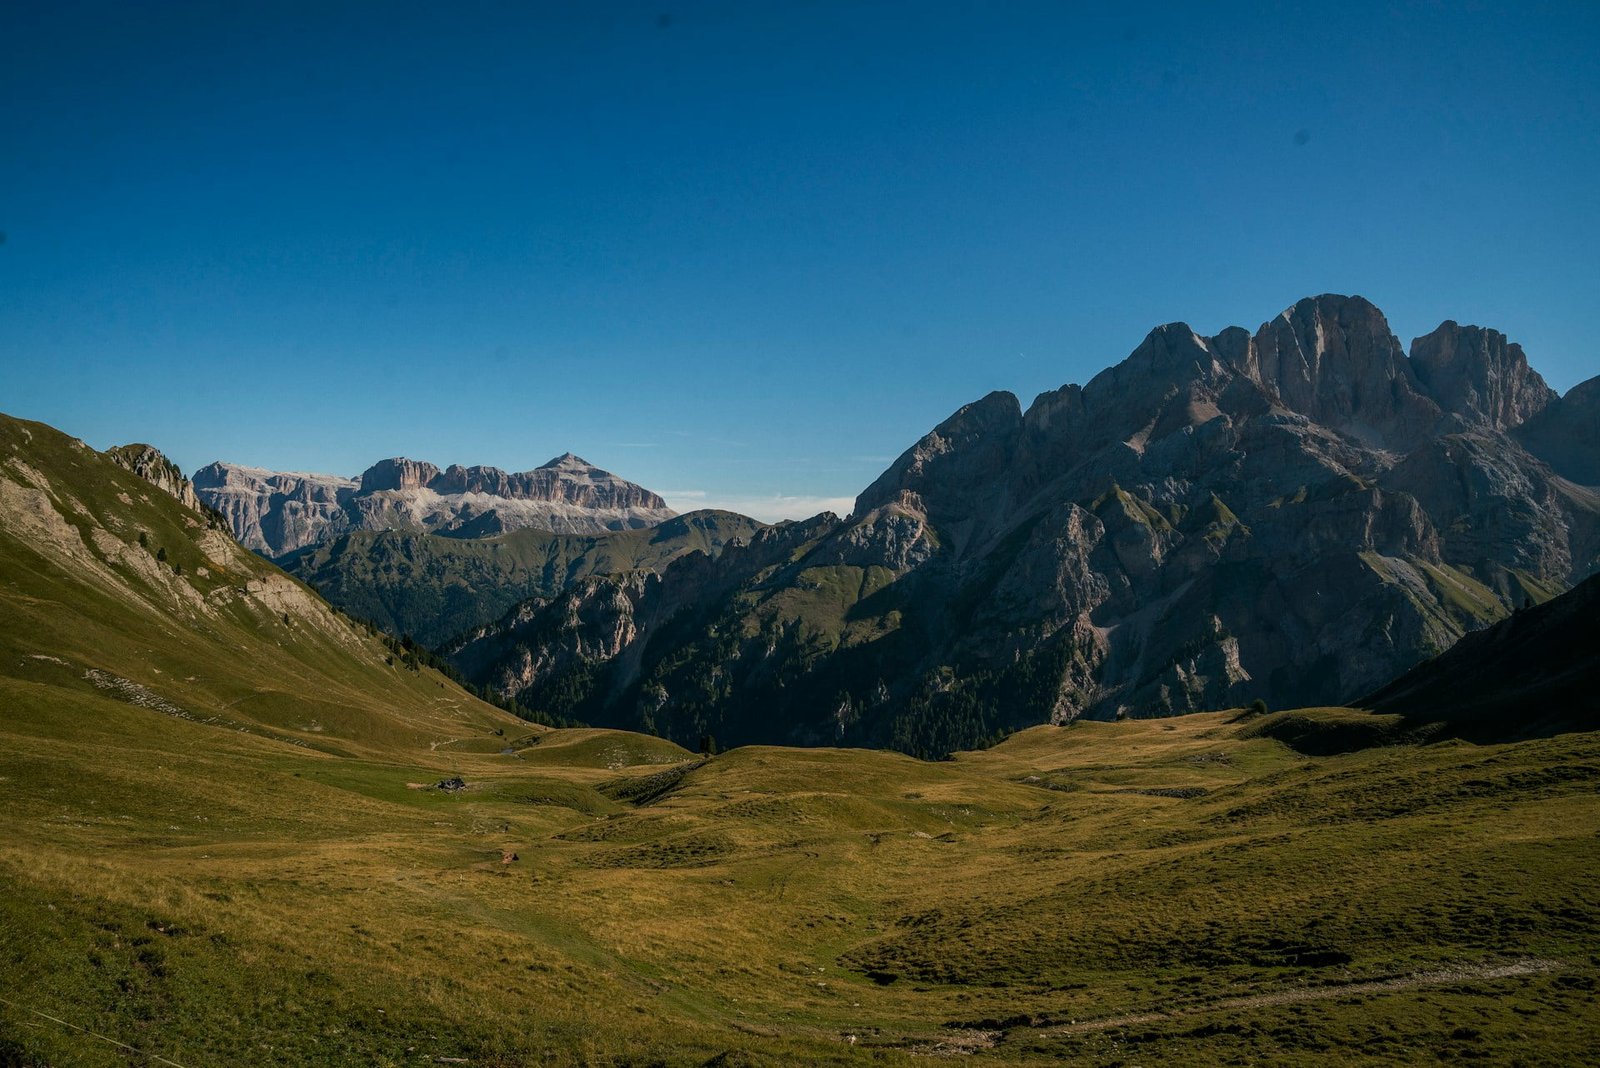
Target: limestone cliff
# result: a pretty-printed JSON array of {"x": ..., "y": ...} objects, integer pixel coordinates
[{"x": 276, "y": 513}]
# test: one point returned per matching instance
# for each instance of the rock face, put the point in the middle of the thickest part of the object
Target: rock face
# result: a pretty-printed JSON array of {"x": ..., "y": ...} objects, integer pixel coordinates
[
  {"x": 1477, "y": 373},
  {"x": 276, "y": 513},
  {"x": 1299, "y": 514},
  {"x": 150, "y": 464}
]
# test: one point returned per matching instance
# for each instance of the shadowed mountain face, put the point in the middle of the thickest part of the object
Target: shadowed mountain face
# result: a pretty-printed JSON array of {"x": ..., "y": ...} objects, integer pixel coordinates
[
  {"x": 1298, "y": 514},
  {"x": 276, "y": 512},
  {"x": 1532, "y": 673}
]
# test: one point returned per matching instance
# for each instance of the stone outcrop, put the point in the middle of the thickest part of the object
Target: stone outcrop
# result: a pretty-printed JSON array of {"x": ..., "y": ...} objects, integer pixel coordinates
[
  {"x": 276, "y": 513},
  {"x": 1297, "y": 514},
  {"x": 150, "y": 464}
]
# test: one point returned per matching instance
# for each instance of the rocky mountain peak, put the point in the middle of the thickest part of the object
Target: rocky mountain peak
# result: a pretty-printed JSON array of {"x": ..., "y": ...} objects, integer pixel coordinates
[
  {"x": 1168, "y": 353},
  {"x": 1477, "y": 374},
  {"x": 953, "y": 460},
  {"x": 1287, "y": 514},
  {"x": 1334, "y": 360}
]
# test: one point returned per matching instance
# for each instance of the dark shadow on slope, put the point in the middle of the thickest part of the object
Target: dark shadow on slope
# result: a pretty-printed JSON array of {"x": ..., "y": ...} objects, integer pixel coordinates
[{"x": 1532, "y": 675}]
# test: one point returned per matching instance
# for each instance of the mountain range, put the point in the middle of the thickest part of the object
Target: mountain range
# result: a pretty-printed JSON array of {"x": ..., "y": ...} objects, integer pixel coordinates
[
  {"x": 1295, "y": 515},
  {"x": 241, "y": 827},
  {"x": 277, "y": 512}
]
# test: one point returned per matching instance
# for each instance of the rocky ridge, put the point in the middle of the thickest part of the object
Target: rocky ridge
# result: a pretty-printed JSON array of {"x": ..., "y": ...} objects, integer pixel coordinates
[
  {"x": 152, "y": 465},
  {"x": 1297, "y": 514},
  {"x": 276, "y": 513}
]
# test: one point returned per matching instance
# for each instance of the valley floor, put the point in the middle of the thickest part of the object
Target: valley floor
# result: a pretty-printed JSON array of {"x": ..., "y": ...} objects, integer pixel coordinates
[{"x": 1162, "y": 891}]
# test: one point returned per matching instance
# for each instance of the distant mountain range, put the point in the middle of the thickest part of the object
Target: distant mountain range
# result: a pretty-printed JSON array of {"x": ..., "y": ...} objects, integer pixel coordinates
[
  {"x": 1300, "y": 514},
  {"x": 1297, "y": 514},
  {"x": 278, "y": 512}
]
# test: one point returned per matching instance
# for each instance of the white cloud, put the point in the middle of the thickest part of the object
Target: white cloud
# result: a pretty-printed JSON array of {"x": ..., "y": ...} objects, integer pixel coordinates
[{"x": 772, "y": 509}]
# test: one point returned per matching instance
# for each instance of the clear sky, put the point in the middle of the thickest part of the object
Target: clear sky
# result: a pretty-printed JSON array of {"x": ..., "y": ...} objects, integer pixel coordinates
[{"x": 745, "y": 253}]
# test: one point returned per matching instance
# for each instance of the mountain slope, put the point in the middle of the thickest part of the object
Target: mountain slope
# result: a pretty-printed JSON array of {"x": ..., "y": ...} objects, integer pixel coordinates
[
  {"x": 1536, "y": 671},
  {"x": 113, "y": 590},
  {"x": 274, "y": 512},
  {"x": 1297, "y": 515},
  {"x": 434, "y": 587}
]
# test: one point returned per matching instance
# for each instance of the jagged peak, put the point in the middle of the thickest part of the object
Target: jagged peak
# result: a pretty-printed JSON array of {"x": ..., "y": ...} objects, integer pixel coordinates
[{"x": 1478, "y": 374}]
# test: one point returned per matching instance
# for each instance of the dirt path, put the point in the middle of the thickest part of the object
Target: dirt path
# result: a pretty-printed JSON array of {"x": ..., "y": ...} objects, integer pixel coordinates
[{"x": 1516, "y": 969}]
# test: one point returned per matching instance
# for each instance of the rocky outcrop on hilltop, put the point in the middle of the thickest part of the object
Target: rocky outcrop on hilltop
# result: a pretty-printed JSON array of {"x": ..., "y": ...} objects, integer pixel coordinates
[
  {"x": 1297, "y": 514},
  {"x": 1532, "y": 673},
  {"x": 150, "y": 464},
  {"x": 276, "y": 513}
]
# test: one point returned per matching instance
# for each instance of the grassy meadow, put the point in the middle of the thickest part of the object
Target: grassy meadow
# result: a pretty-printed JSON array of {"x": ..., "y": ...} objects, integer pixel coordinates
[{"x": 1181, "y": 891}]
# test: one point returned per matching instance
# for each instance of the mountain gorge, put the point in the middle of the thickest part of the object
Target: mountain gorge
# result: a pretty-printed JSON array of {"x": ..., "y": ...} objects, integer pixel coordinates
[
  {"x": 275, "y": 513},
  {"x": 1298, "y": 515}
]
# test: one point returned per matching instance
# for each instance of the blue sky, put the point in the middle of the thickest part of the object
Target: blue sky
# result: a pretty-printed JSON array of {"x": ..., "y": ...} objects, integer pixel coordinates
[{"x": 745, "y": 253}]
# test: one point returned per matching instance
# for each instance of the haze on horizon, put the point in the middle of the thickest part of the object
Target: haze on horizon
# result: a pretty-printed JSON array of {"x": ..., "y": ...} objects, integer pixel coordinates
[{"x": 744, "y": 255}]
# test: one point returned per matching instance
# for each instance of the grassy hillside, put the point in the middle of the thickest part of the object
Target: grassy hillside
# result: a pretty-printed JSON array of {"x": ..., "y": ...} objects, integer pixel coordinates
[
  {"x": 223, "y": 841},
  {"x": 112, "y": 591},
  {"x": 435, "y": 587}
]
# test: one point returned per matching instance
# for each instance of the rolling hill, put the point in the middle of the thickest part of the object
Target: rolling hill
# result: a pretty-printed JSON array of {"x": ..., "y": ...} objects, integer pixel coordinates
[{"x": 1535, "y": 672}]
